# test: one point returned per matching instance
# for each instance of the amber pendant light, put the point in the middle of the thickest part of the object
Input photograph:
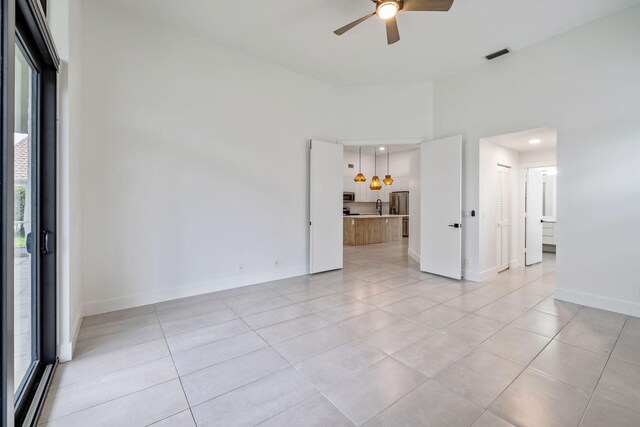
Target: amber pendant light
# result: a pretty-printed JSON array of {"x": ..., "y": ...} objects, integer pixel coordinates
[
  {"x": 360, "y": 177},
  {"x": 387, "y": 178},
  {"x": 375, "y": 181}
]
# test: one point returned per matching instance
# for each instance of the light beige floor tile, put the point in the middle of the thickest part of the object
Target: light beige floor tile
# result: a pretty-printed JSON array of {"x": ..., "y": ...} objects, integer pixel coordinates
[
  {"x": 316, "y": 411},
  {"x": 183, "y": 419},
  {"x": 501, "y": 311},
  {"x": 410, "y": 306},
  {"x": 310, "y": 294},
  {"x": 369, "y": 322},
  {"x": 331, "y": 367},
  {"x": 292, "y": 328},
  {"x": 255, "y": 402},
  {"x": 346, "y": 311},
  {"x": 537, "y": 400},
  {"x": 271, "y": 317},
  {"x": 516, "y": 344},
  {"x": 540, "y": 323},
  {"x": 190, "y": 310},
  {"x": 366, "y": 394},
  {"x": 489, "y": 419},
  {"x": 117, "y": 326},
  {"x": 558, "y": 308},
  {"x": 573, "y": 365},
  {"x": 620, "y": 384},
  {"x": 589, "y": 336},
  {"x": 138, "y": 409},
  {"x": 206, "y": 335},
  {"x": 83, "y": 395},
  {"x": 438, "y": 317},
  {"x": 366, "y": 291},
  {"x": 480, "y": 376},
  {"x": 326, "y": 302},
  {"x": 431, "y": 404},
  {"x": 434, "y": 354},
  {"x": 397, "y": 335},
  {"x": 117, "y": 315},
  {"x": 523, "y": 298},
  {"x": 628, "y": 347},
  {"x": 385, "y": 298},
  {"x": 124, "y": 339},
  {"x": 253, "y": 307},
  {"x": 211, "y": 354},
  {"x": 92, "y": 366},
  {"x": 468, "y": 302},
  {"x": 313, "y": 343},
  {"x": 603, "y": 413},
  {"x": 185, "y": 324},
  {"x": 473, "y": 329},
  {"x": 216, "y": 380}
]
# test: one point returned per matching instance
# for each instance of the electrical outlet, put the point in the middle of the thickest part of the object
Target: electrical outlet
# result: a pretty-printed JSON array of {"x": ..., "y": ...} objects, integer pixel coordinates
[
  {"x": 276, "y": 263},
  {"x": 241, "y": 268}
]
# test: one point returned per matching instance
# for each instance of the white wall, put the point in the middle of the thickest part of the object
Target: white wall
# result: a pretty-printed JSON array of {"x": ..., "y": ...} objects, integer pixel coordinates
[
  {"x": 414, "y": 205},
  {"x": 490, "y": 156},
  {"x": 548, "y": 156},
  {"x": 65, "y": 24},
  {"x": 385, "y": 111},
  {"x": 585, "y": 82},
  {"x": 195, "y": 160}
]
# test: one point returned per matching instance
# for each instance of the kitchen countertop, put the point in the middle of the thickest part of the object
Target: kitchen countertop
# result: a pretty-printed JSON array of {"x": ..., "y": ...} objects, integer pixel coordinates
[{"x": 369, "y": 216}]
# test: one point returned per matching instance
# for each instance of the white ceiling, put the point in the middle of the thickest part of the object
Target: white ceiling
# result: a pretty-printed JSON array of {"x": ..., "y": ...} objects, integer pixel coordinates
[
  {"x": 519, "y": 141},
  {"x": 298, "y": 34}
]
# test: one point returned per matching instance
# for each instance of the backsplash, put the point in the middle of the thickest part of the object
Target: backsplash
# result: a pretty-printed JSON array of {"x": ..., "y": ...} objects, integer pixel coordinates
[{"x": 366, "y": 207}]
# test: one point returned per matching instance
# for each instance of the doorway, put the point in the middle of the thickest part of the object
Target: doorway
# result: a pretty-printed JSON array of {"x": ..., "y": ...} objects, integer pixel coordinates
[{"x": 518, "y": 190}]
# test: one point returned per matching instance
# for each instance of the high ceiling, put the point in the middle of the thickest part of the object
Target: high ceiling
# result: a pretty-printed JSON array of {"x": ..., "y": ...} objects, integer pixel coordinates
[
  {"x": 298, "y": 34},
  {"x": 521, "y": 141},
  {"x": 370, "y": 149}
]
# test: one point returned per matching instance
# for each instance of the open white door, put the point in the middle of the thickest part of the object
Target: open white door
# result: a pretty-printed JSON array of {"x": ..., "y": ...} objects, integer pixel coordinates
[
  {"x": 533, "y": 219},
  {"x": 325, "y": 207},
  {"x": 441, "y": 207}
]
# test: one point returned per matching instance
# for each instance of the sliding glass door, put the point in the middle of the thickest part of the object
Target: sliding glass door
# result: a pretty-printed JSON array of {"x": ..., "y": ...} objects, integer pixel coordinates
[{"x": 28, "y": 189}]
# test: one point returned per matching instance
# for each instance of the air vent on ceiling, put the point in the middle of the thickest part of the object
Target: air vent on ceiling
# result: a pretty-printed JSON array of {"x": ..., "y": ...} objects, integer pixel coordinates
[{"x": 497, "y": 54}]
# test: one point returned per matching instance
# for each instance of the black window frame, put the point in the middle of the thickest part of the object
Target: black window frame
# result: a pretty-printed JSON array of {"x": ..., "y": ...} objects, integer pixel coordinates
[{"x": 24, "y": 22}]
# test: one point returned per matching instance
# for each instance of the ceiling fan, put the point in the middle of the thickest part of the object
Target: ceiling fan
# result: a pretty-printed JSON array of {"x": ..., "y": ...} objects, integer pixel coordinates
[{"x": 388, "y": 9}]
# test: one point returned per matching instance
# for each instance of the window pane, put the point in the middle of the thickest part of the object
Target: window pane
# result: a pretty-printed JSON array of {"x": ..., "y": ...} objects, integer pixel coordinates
[{"x": 23, "y": 212}]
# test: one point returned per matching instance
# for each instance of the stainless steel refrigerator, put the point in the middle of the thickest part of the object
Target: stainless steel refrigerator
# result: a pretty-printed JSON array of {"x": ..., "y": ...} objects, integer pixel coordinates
[{"x": 399, "y": 205}]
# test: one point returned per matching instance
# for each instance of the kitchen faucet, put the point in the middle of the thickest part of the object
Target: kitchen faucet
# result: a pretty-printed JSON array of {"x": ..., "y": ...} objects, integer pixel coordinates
[{"x": 379, "y": 206}]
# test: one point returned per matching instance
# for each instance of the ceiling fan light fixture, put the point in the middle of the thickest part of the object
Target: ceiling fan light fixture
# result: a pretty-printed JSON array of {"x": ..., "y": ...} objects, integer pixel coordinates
[{"x": 387, "y": 10}]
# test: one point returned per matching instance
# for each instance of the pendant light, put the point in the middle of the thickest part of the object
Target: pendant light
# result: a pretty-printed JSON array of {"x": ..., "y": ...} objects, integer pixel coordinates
[
  {"x": 360, "y": 177},
  {"x": 375, "y": 181},
  {"x": 387, "y": 178}
]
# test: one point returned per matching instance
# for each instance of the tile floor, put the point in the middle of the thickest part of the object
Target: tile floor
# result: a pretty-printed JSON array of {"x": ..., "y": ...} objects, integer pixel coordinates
[{"x": 377, "y": 344}]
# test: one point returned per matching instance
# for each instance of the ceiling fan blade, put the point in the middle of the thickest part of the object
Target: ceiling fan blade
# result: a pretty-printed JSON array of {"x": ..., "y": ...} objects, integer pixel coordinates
[
  {"x": 392, "y": 30},
  {"x": 341, "y": 31},
  {"x": 427, "y": 5}
]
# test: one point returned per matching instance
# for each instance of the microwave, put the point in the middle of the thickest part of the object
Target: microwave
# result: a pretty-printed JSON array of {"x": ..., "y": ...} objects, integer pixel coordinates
[{"x": 348, "y": 197}]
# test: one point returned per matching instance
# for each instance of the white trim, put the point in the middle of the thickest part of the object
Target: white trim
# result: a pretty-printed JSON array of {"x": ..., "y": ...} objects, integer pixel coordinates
[
  {"x": 471, "y": 276},
  {"x": 153, "y": 297},
  {"x": 514, "y": 263},
  {"x": 487, "y": 274},
  {"x": 66, "y": 350},
  {"x": 414, "y": 255},
  {"x": 596, "y": 301}
]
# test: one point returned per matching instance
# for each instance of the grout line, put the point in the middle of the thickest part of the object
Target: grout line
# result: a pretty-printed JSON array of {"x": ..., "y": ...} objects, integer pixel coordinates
[{"x": 602, "y": 373}]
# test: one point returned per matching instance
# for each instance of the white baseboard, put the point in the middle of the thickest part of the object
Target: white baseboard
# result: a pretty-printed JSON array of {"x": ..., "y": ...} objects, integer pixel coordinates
[
  {"x": 489, "y": 273},
  {"x": 470, "y": 275},
  {"x": 414, "y": 255},
  {"x": 153, "y": 297},
  {"x": 514, "y": 263},
  {"x": 65, "y": 350},
  {"x": 596, "y": 301}
]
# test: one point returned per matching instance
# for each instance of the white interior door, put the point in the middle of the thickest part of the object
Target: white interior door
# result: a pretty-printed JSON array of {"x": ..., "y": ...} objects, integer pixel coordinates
[
  {"x": 533, "y": 219},
  {"x": 325, "y": 207},
  {"x": 503, "y": 217},
  {"x": 441, "y": 207}
]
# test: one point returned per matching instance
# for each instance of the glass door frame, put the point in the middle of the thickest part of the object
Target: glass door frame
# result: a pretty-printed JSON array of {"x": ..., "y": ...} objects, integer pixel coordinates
[{"x": 24, "y": 21}]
